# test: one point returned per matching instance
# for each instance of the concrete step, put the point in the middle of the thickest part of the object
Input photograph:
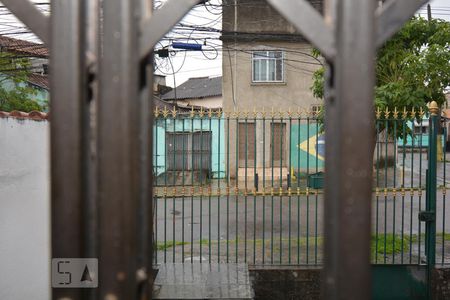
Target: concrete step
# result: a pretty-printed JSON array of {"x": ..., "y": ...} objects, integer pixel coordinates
[{"x": 202, "y": 281}]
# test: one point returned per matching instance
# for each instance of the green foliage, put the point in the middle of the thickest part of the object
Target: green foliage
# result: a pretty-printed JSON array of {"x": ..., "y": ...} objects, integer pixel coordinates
[
  {"x": 412, "y": 68},
  {"x": 17, "y": 99},
  {"x": 13, "y": 72},
  {"x": 391, "y": 243},
  {"x": 318, "y": 83}
]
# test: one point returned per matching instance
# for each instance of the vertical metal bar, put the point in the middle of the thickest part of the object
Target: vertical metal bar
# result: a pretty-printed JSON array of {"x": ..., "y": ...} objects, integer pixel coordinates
[
  {"x": 209, "y": 191},
  {"x": 297, "y": 147},
  {"x": 236, "y": 191},
  {"x": 155, "y": 183},
  {"x": 91, "y": 14},
  {"x": 219, "y": 162},
  {"x": 386, "y": 128},
  {"x": 316, "y": 208},
  {"x": 427, "y": 201},
  {"x": 246, "y": 153},
  {"x": 402, "y": 187},
  {"x": 228, "y": 188},
  {"x": 413, "y": 137},
  {"x": 348, "y": 177},
  {"x": 192, "y": 186},
  {"x": 281, "y": 189},
  {"x": 420, "y": 194},
  {"x": 394, "y": 200},
  {"x": 444, "y": 191},
  {"x": 146, "y": 198},
  {"x": 443, "y": 196},
  {"x": 183, "y": 194},
  {"x": 272, "y": 147},
  {"x": 118, "y": 148},
  {"x": 377, "y": 145},
  {"x": 201, "y": 187},
  {"x": 174, "y": 147},
  {"x": 332, "y": 114},
  {"x": 264, "y": 188},
  {"x": 69, "y": 142},
  {"x": 432, "y": 189},
  {"x": 289, "y": 145},
  {"x": 166, "y": 169},
  {"x": 255, "y": 187},
  {"x": 308, "y": 127}
]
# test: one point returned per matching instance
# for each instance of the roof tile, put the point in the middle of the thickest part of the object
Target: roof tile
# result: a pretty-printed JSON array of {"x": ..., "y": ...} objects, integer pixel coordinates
[
  {"x": 23, "y": 47},
  {"x": 39, "y": 80},
  {"x": 33, "y": 115},
  {"x": 200, "y": 87}
]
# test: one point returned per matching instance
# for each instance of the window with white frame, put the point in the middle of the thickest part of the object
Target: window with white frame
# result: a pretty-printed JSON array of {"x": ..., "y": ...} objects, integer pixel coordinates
[{"x": 267, "y": 66}]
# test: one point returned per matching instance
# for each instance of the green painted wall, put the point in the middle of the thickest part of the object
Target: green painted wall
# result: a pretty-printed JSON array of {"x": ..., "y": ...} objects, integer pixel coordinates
[
  {"x": 418, "y": 140},
  {"x": 307, "y": 148},
  {"x": 306, "y": 144},
  {"x": 215, "y": 125}
]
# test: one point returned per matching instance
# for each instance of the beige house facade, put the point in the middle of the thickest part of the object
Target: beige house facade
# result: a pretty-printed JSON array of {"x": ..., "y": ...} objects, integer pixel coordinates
[
  {"x": 246, "y": 87},
  {"x": 266, "y": 65}
]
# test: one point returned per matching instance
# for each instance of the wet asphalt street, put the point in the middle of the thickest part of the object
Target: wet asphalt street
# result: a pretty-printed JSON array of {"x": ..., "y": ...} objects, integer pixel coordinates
[{"x": 269, "y": 224}]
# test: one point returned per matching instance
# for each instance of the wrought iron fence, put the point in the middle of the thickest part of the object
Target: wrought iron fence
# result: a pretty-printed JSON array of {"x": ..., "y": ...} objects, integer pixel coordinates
[{"x": 247, "y": 187}]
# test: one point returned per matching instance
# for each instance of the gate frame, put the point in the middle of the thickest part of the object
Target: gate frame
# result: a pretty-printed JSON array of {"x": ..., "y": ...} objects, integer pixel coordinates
[{"x": 84, "y": 181}]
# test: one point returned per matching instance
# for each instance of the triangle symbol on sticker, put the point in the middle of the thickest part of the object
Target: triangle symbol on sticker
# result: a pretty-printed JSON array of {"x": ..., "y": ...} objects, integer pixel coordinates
[{"x": 86, "y": 275}]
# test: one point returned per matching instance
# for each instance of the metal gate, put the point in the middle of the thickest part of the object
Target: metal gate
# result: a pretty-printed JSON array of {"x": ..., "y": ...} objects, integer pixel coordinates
[
  {"x": 101, "y": 154},
  {"x": 413, "y": 281}
]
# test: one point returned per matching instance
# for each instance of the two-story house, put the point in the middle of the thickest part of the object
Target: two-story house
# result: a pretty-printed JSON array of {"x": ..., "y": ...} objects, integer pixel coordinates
[{"x": 266, "y": 64}]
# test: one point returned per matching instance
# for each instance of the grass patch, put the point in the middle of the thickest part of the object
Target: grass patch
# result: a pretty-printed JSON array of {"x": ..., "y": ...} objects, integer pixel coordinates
[
  {"x": 294, "y": 241},
  {"x": 160, "y": 246},
  {"x": 445, "y": 235},
  {"x": 392, "y": 243}
]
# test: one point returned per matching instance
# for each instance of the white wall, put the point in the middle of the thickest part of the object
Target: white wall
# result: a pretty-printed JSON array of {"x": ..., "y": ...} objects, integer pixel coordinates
[
  {"x": 24, "y": 209},
  {"x": 209, "y": 102}
]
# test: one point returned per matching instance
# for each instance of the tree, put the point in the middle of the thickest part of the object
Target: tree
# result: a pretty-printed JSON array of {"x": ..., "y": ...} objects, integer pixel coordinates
[
  {"x": 15, "y": 94},
  {"x": 17, "y": 99},
  {"x": 412, "y": 68}
]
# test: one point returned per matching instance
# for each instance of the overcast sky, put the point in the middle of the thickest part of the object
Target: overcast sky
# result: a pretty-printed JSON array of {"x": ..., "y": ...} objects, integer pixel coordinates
[
  {"x": 195, "y": 65},
  {"x": 188, "y": 64}
]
